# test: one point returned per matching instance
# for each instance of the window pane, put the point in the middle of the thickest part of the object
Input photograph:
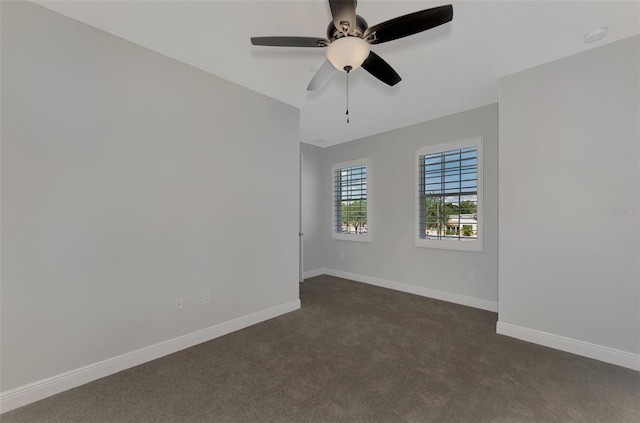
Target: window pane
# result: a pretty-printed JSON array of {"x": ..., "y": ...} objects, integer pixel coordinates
[
  {"x": 448, "y": 188},
  {"x": 350, "y": 194}
]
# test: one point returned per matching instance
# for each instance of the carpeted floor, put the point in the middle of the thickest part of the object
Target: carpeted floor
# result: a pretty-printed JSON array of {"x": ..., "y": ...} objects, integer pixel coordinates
[{"x": 357, "y": 353}]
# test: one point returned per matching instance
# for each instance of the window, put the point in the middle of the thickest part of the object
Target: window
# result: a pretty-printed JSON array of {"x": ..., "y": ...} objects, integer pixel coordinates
[
  {"x": 351, "y": 201},
  {"x": 449, "y": 195}
]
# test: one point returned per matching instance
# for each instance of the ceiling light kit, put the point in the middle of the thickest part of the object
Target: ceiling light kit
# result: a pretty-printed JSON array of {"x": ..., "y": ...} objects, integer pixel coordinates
[
  {"x": 348, "y": 51},
  {"x": 349, "y": 37}
]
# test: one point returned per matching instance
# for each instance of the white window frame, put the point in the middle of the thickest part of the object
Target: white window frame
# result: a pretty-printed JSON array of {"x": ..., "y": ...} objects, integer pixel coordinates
[
  {"x": 473, "y": 246},
  {"x": 368, "y": 237}
]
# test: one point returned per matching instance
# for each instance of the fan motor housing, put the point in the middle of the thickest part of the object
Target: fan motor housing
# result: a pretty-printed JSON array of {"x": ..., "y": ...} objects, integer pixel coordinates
[{"x": 361, "y": 26}]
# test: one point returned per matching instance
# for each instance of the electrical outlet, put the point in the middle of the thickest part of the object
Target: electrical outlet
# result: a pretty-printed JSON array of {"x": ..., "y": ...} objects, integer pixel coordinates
[
  {"x": 179, "y": 303},
  {"x": 472, "y": 275},
  {"x": 206, "y": 297}
]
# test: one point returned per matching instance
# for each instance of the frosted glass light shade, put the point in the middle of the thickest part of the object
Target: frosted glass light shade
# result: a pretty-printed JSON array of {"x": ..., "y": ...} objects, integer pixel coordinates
[{"x": 347, "y": 51}]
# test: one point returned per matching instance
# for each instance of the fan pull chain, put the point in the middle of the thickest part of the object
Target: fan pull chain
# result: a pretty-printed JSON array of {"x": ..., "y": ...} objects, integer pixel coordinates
[
  {"x": 347, "y": 97},
  {"x": 347, "y": 69}
]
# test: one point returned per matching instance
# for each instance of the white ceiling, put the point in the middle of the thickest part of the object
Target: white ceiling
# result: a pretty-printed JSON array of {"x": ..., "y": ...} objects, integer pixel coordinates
[{"x": 448, "y": 69}]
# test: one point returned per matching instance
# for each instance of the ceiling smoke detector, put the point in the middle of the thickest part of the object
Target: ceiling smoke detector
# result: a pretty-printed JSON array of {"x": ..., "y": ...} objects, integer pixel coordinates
[{"x": 596, "y": 35}]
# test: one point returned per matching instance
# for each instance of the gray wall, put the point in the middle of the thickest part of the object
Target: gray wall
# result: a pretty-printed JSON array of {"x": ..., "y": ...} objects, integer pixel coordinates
[
  {"x": 393, "y": 256},
  {"x": 570, "y": 195},
  {"x": 129, "y": 179},
  {"x": 313, "y": 205}
]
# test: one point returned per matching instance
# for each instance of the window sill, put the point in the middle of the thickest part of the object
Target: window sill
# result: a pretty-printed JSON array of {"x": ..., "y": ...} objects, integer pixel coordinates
[
  {"x": 470, "y": 246},
  {"x": 357, "y": 238}
]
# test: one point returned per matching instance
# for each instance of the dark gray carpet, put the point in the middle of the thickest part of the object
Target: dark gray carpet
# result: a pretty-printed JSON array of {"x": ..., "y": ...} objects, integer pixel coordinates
[{"x": 357, "y": 353}]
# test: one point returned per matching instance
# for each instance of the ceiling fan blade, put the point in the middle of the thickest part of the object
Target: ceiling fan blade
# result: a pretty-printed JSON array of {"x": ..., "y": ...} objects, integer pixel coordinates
[
  {"x": 410, "y": 24},
  {"x": 324, "y": 73},
  {"x": 344, "y": 14},
  {"x": 290, "y": 41},
  {"x": 377, "y": 67}
]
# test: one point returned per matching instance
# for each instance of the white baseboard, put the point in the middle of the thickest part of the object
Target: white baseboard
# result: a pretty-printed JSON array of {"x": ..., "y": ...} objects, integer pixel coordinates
[
  {"x": 574, "y": 346},
  {"x": 417, "y": 290},
  {"x": 314, "y": 273},
  {"x": 36, "y": 391}
]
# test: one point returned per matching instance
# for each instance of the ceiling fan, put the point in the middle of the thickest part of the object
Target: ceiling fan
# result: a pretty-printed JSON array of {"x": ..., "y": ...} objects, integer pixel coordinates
[{"x": 349, "y": 37}]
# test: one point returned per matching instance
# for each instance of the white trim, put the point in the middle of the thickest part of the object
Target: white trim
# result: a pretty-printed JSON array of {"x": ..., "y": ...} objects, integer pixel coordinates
[
  {"x": 368, "y": 237},
  {"x": 300, "y": 224},
  {"x": 574, "y": 346},
  {"x": 476, "y": 246},
  {"x": 36, "y": 391},
  {"x": 315, "y": 272},
  {"x": 354, "y": 237},
  {"x": 418, "y": 290}
]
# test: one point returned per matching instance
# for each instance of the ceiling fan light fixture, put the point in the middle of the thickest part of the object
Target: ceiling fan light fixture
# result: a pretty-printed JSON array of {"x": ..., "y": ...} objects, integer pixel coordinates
[{"x": 347, "y": 52}]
